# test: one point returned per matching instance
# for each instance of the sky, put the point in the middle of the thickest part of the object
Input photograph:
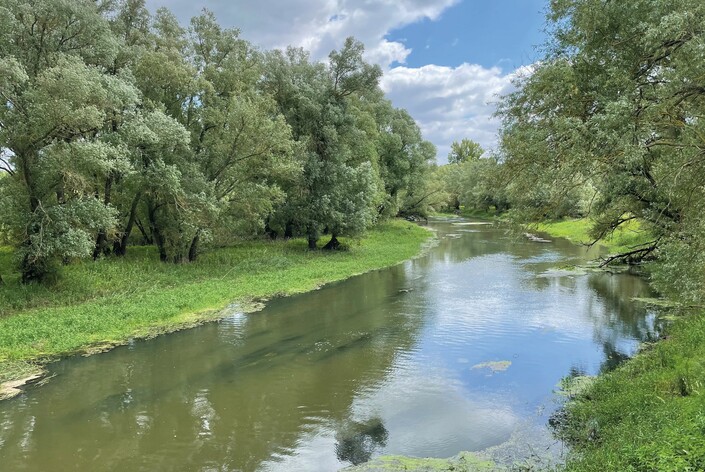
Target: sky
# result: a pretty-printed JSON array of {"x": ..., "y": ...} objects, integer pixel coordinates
[{"x": 445, "y": 61}]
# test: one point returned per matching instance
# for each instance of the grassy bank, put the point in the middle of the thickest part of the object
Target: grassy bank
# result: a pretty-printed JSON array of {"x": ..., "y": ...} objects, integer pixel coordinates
[
  {"x": 647, "y": 415},
  {"x": 99, "y": 304},
  {"x": 625, "y": 238}
]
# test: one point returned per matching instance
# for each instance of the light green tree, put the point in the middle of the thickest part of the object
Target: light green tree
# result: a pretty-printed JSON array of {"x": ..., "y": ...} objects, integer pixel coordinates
[
  {"x": 337, "y": 192},
  {"x": 464, "y": 151},
  {"x": 61, "y": 102},
  {"x": 616, "y": 107}
]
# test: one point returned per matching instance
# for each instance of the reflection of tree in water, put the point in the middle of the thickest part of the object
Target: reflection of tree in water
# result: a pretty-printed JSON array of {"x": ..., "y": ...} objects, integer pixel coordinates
[
  {"x": 356, "y": 442},
  {"x": 621, "y": 317}
]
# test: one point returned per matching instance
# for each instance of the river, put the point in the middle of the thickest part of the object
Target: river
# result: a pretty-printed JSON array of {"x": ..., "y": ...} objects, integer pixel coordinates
[{"x": 459, "y": 350}]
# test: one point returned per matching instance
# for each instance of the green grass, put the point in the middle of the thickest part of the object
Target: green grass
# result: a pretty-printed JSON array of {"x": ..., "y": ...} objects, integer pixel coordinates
[
  {"x": 624, "y": 239},
  {"x": 649, "y": 414},
  {"x": 104, "y": 303}
]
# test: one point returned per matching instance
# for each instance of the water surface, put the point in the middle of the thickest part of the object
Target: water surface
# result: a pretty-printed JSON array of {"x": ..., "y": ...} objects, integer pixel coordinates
[{"x": 461, "y": 349}]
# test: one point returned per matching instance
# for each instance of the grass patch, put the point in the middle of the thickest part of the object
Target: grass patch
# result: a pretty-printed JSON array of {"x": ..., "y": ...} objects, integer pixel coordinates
[
  {"x": 105, "y": 303},
  {"x": 649, "y": 414},
  {"x": 625, "y": 238}
]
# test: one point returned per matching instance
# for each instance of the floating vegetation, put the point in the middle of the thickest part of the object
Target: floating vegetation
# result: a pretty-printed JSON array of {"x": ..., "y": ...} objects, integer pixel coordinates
[
  {"x": 494, "y": 366},
  {"x": 463, "y": 462}
]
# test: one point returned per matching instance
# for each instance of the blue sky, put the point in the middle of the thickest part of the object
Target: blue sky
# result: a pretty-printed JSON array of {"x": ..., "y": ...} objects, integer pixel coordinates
[
  {"x": 445, "y": 61},
  {"x": 485, "y": 32}
]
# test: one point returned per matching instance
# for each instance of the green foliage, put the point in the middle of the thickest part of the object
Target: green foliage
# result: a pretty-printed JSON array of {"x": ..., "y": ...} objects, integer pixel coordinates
[
  {"x": 114, "y": 119},
  {"x": 610, "y": 127},
  {"x": 473, "y": 184},
  {"x": 464, "y": 151},
  {"x": 338, "y": 189},
  {"x": 609, "y": 123},
  {"x": 625, "y": 238},
  {"x": 59, "y": 111}
]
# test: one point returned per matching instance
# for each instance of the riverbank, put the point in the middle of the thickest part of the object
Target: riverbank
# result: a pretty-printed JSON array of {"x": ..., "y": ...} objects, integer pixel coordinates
[
  {"x": 624, "y": 239},
  {"x": 648, "y": 414},
  {"x": 98, "y": 305}
]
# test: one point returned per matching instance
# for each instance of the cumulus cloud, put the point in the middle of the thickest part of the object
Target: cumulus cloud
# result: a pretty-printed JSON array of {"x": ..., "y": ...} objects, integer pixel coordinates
[
  {"x": 449, "y": 103},
  {"x": 317, "y": 25}
]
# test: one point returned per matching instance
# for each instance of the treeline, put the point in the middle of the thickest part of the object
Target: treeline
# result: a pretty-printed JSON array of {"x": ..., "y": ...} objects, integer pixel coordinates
[
  {"x": 117, "y": 125},
  {"x": 611, "y": 123},
  {"x": 472, "y": 180}
]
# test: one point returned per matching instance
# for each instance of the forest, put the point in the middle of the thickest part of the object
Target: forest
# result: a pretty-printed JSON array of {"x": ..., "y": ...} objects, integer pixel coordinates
[{"x": 119, "y": 126}]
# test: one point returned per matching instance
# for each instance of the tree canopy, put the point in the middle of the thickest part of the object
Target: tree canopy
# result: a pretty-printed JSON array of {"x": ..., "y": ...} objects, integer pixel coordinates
[
  {"x": 614, "y": 113},
  {"x": 119, "y": 126}
]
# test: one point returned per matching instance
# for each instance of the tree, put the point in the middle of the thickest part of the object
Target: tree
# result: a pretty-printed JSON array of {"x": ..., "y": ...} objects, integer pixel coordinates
[
  {"x": 58, "y": 102},
  {"x": 336, "y": 193},
  {"x": 464, "y": 151},
  {"x": 615, "y": 107},
  {"x": 404, "y": 157}
]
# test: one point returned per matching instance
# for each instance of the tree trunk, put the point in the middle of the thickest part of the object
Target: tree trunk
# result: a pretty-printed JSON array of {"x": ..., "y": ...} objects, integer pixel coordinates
[
  {"x": 270, "y": 232},
  {"x": 146, "y": 237},
  {"x": 312, "y": 241},
  {"x": 193, "y": 250},
  {"x": 120, "y": 245},
  {"x": 156, "y": 233},
  {"x": 333, "y": 244},
  {"x": 33, "y": 270},
  {"x": 289, "y": 230},
  {"x": 101, "y": 246}
]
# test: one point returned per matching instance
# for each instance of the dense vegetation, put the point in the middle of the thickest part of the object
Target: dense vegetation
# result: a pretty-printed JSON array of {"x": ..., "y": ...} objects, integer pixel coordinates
[
  {"x": 608, "y": 128},
  {"x": 118, "y": 126}
]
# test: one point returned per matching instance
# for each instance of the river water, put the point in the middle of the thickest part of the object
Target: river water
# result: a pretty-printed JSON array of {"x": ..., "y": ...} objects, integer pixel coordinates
[{"x": 459, "y": 350}]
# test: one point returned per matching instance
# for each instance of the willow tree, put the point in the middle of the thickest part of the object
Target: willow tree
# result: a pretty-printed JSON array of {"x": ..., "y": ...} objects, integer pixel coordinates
[
  {"x": 59, "y": 99},
  {"x": 404, "y": 157},
  {"x": 337, "y": 190},
  {"x": 616, "y": 105}
]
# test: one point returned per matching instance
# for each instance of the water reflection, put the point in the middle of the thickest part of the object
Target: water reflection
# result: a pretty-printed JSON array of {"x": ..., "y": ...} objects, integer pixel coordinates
[
  {"x": 356, "y": 442},
  {"x": 382, "y": 363}
]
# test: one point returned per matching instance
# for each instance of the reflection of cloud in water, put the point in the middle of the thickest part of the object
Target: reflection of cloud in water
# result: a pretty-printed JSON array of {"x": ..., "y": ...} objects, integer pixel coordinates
[
  {"x": 486, "y": 296},
  {"x": 312, "y": 454},
  {"x": 432, "y": 415}
]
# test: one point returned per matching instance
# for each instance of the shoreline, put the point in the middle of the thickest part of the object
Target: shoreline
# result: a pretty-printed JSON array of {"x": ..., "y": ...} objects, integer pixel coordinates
[{"x": 387, "y": 245}]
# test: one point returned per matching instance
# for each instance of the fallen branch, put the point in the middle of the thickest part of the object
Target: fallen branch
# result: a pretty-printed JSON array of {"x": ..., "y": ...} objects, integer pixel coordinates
[{"x": 641, "y": 253}]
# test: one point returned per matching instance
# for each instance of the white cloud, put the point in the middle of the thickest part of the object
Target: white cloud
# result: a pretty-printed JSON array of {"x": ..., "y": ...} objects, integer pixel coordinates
[
  {"x": 317, "y": 25},
  {"x": 449, "y": 103}
]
